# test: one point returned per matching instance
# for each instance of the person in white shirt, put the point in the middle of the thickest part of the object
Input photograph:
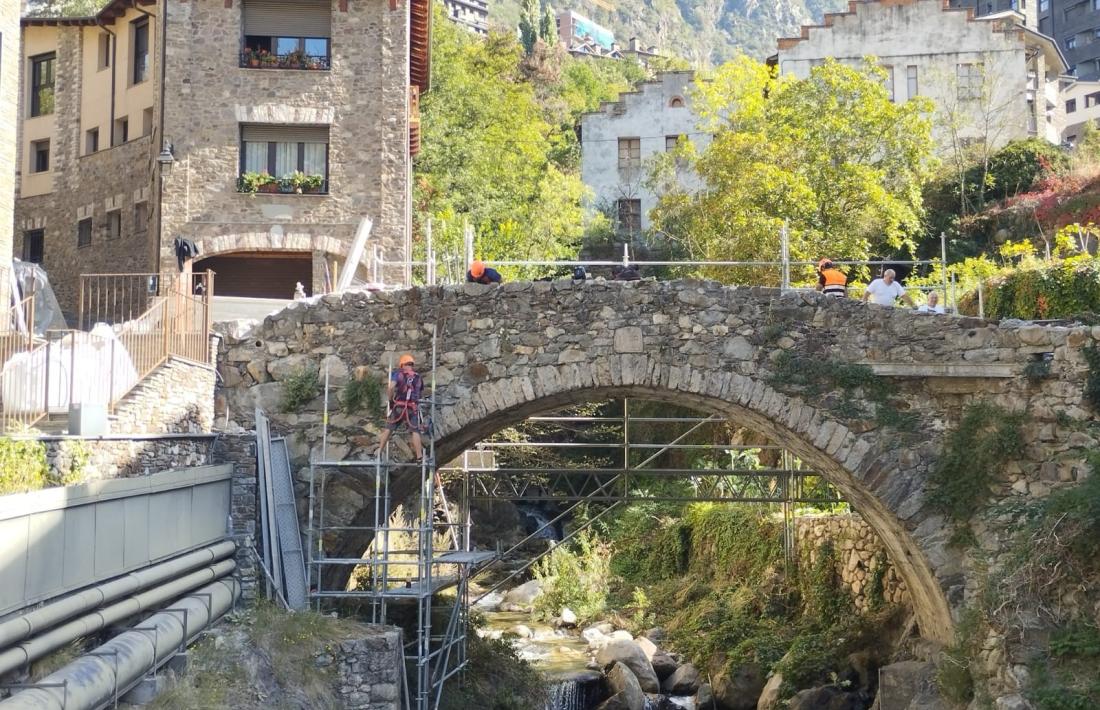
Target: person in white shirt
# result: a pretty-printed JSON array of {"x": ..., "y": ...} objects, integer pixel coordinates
[
  {"x": 886, "y": 291},
  {"x": 933, "y": 305}
]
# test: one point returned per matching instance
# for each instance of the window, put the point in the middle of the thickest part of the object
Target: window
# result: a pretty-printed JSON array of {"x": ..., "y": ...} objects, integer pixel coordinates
[
  {"x": 141, "y": 217},
  {"x": 286, "y": 36},
  {"x": 911, "y": 88},
  {"x": 103, "y": 52},
  {"x": 1044, "y": 5},
  {"x": 114, "y": 224},
  {"x": 630, "y": 216},
  {"x": 1092, "y": 100},
  {"x": 122, "y": 131},
  {"x": 969, "y": 78},
  {"x": 1071, "y": 42},
  {"x": 1096, "y": 4},
  {"x": 889, "y": 83},
  {"x": 40, "y": 156},
  {"x": 630, "y": 153},
  {"x": 670, "y": 142},
  {"x": 42, "y": 68},
  {"x": 147, "y": 122},
  {"x": 34, "y": 245},
  {"x": 1071, "y": 105},
  {"x": 140, "y": 36},
  {"x": 91, "y": 140},
  {"x": 84, "y": 232},
  {"x": 676, "y": 102},
  {"x": 280, "y": 151}
]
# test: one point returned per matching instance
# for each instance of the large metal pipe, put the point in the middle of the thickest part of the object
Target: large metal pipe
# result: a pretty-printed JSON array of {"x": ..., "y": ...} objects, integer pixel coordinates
[
  {"x": 39, "y": 646},
  {"x": 92, "y": 681},
  {"x": 27, "y": 625}
]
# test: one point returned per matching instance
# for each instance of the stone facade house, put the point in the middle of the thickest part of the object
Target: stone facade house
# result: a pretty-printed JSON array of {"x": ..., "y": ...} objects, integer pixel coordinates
[
  {"x": 990, "y": 78},
  {"x": 621, "y": 139},
  {"x": 132, "y": 135}
]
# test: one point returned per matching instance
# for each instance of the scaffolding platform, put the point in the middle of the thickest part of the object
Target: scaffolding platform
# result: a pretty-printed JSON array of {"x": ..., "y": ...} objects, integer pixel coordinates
[{"x": 416, "y": 590}]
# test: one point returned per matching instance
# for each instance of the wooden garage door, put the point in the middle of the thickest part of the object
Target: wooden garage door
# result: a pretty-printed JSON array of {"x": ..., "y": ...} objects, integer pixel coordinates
[{"x": 259, "y": 274}]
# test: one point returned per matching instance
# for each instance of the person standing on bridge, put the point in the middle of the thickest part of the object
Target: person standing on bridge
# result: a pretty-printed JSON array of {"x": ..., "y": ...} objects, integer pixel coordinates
[
  {"x": 404, "y": 390},
  {"x": 479, "y": 273},
  {"x": 830, "y": 280},
  {"x": 886, "y": 291}
]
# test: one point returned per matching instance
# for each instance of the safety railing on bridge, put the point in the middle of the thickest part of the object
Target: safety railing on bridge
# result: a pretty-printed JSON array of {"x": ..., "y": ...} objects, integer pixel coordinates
[{"x": 135, "y": 323}]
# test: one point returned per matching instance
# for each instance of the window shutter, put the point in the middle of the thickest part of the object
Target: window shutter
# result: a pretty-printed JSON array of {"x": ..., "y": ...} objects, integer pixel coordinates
[
  {"x": 277, "y": 133},
  {"x": 300, "y": 18}
]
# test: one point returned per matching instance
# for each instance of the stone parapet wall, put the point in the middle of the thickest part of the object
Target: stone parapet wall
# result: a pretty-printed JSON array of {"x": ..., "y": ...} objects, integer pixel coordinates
[
  {"x": 367, "y": 669},
  {"x": 125, "y": 457},
  {"x": 239, "y": 450},
  {"x": 859, "y": 552},
  {"x": 177, "y": 397}
]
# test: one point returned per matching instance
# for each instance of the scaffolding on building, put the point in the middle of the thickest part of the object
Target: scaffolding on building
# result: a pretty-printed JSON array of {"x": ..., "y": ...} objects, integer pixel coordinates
[{"x": 397, "y": 577}]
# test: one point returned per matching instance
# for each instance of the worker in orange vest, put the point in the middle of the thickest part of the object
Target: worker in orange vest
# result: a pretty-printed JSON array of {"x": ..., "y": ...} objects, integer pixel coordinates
[{"x": 830, "y": 280}]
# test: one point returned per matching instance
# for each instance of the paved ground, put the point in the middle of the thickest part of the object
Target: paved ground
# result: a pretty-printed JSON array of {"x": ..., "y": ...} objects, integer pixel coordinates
[{"x": 234, "y": 307}]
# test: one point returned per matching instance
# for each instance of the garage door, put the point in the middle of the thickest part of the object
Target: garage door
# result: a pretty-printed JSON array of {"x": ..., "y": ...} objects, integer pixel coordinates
[{"x": 259, "y": 274}]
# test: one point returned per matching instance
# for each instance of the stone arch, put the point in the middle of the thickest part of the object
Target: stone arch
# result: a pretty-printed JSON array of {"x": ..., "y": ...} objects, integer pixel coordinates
[
  {"x": 274, "y": 239},
  {"x": 676, "y": 102},
  {"x": 870, "y": 477}
]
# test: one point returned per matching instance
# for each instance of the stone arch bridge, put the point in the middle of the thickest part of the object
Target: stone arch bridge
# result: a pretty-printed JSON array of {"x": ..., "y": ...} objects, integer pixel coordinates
[{"x": 509, "y": 352}]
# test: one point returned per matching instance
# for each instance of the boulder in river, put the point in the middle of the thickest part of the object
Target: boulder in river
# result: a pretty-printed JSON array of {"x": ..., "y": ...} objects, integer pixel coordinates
[
  {"x": 568, "y": 618},
  {"x": 664, "y": 665},
  {"x": 685, "y": 681},
  {"x": 594, "y": 637},
  {"x": 629, "y": 654},
  {"x": 624, "y": 689},
  {"x": 769, "y": 697},
  {"x": 738, "y": 688},
  {"x": 621, "y": 635},
  {"x": 648, "y": 647},
  {"x": 704, "y": 699},
  {"x": 523, "y": 595},
  {"x": 827, "y": 697},
  {"x": 523, "y": 631}
]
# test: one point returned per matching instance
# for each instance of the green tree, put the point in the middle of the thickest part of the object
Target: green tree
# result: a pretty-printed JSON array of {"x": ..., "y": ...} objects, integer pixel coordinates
[
  {"x": 528, "y": 25},
  {"x": 547, "y": 29},
  {"x": 830, "y": 155}
]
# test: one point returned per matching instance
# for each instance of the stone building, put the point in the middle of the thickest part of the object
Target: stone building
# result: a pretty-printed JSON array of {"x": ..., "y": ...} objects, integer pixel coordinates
[
  {"x": 990, "y": 78},
  {"x": 621, "y": 139},
  {"x": 9, "y": 110},
  {"x": 128, "y": 141}
]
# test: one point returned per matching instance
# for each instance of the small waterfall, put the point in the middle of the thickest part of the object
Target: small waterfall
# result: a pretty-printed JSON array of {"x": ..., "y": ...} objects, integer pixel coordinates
[
  {"x": 537, "y": 519},
  {"x": 565, "y": 695}
]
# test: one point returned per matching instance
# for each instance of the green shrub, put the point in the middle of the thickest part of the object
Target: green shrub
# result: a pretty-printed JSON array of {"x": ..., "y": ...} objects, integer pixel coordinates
[
  {"x": 300, "y": 388},
  {"x": 577, "y": 576},
  {"x": 1014, "y": 168},
  {"x": 362, "y": 395},
  {"x": 23, "y": 466},
  {"x": 1063, "y": 289},
  {"x": 1092, "y": 382},
  {"x": 495, "y": 679},
  {"x": 823, "y": 595}
]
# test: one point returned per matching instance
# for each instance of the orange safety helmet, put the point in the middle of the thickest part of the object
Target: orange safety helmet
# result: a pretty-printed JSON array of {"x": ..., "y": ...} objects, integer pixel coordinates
[
  {"x": 824, "y": 262},
  {"x": 406, "y": 359},
  {"x": 477, "y": 269}
]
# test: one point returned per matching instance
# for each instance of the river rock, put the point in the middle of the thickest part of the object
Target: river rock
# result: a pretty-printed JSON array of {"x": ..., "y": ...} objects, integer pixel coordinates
[
  {"x": 911, "y": 685},
  {"x": 769, "y": 697},
  {"x": 685, "y": 681},
  {"x": 648, "y": 647},
  {"x": 621, "y": 635},
  {"x": 568, "y": 618},
  {"x": 523, "y": 595},
  {"x": 656, "y": 634},
  {"x": 624, "y": 686},
  {"x": 827, "y": 697},
  {"x": 594, "y": 638},
  {"x": 704, "y": 699},
  {"x": 629, "y": 654},
  {"x": 524, "y": 632},
  {"x": 740, "y": 688},
  {"x": 664, "y": 665}
]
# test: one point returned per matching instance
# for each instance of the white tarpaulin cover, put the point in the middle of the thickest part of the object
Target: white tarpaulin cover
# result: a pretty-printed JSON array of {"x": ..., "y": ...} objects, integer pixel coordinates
[{"x": 81, "y": 371}]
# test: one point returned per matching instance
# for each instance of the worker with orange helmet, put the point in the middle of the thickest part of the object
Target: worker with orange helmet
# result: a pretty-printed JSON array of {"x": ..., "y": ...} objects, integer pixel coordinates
[
  {"x": 830, "y": 280},
  {"x": 404, "y": 390},
  {"x": 479, "y": 273}
]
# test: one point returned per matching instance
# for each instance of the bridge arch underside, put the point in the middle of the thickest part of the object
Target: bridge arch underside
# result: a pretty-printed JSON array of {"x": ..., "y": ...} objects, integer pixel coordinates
[{"x": 879, "y": 479}]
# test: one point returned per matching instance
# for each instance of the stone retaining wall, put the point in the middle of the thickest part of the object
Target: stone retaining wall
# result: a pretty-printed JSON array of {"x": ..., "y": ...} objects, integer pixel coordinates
[
  {"x": 859, "y": 552},
  {"x": 177, "y": 397},
  {"x": 368, "y": 670},
  {"x": 117, "y": 457}
]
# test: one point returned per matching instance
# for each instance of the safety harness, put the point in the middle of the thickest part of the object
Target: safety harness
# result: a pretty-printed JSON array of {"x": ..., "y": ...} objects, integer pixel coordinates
[{"x": 406, "y": 398}]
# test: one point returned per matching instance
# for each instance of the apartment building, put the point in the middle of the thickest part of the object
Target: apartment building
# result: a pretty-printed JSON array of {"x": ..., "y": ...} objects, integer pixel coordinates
[
  {"x": 990, "y": 78},
  {"x": 620, "y": 140},
  {"x": 263, "y": 131},
  {"x": 471, "y": 14},
  {"x": 1081, "y": 100}
]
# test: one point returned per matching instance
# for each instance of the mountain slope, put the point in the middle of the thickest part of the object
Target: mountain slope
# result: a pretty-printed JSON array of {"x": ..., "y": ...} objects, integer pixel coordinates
[{"x": 705, "y": 32}]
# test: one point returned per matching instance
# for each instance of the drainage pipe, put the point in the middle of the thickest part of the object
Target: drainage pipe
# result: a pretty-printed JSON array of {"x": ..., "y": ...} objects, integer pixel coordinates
[
  {"x": 100, "y": 677},
  {"x": 18, "y": 656},
  {"x": 27, "y": 625}
]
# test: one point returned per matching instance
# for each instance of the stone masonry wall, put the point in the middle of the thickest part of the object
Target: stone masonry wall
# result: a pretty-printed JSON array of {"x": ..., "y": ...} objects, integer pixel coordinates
[
  {"x": 87, "y": 186},
  {"x": 239, "y": 450},
  {"x": 126, "y": 457},
  {"x": 363, "y": 98},
  {"x": 368, "y": 669},
  {"x": 859, "y": 553},
  {"x": 177, "y": 397}
]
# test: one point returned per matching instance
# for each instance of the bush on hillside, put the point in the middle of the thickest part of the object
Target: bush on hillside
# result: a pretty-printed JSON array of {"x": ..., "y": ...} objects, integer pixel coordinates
[
  {"x": 1063, "y": 289},
  {"x": 1015, "y": 168}
]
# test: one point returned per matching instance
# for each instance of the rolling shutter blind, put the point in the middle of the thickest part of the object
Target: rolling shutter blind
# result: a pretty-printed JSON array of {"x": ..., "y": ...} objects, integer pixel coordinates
[
  {"x": 284, "y": 134},
  {"x": 289, "y": 18}
]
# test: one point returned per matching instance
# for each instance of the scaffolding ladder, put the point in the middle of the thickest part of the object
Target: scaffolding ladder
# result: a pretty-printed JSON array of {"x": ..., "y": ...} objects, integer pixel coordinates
[{"x": 399, "y": 578}]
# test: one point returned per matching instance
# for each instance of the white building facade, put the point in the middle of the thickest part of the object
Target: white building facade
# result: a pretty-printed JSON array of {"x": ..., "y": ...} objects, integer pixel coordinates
[
  {"x": 621, "y": 139},
  {"x": 990, "y": 78},
  {"x": 1081, "y": 101}
]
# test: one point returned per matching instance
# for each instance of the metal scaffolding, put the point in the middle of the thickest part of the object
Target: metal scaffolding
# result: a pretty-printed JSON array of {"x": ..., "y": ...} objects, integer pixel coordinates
[{"x": 399, "y": 577}]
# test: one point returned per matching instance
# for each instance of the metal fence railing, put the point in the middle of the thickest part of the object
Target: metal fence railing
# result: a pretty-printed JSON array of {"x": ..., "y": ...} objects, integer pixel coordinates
[{"x": 122, "y": 346}]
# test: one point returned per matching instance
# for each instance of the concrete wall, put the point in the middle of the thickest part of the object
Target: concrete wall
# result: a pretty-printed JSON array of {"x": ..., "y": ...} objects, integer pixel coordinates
[
  {"x": 935, "y": 40},
  {"x": 57, "y": 540},
  {"x": 1078, "y": 92},
  {"x": 645, "y": 114}
]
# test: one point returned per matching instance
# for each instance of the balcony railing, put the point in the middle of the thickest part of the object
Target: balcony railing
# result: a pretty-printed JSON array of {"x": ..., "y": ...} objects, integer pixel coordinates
[{"x": 263, "y": 59}]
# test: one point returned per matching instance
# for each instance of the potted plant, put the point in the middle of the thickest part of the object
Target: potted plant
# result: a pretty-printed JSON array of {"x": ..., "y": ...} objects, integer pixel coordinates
[
  {"x": 267, "y": 59},
  {"x": 313, "y": 184},
  {"x": 295, "y": 60},
  {"x": 253, "y": 182},
  {"x": 252, "y": 57}
]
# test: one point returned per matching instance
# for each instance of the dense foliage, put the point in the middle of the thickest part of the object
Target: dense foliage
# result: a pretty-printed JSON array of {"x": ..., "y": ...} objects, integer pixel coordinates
[
  {"x": 830, "y": 156},
  {"x": 1059, "y": 289}
]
